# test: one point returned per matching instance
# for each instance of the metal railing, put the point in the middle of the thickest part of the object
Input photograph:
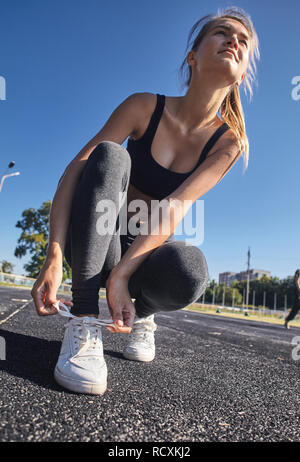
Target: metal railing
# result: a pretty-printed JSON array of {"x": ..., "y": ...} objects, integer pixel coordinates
[
  {"x": 259, "y": 311},
  {"x": 25, "y": 281}
]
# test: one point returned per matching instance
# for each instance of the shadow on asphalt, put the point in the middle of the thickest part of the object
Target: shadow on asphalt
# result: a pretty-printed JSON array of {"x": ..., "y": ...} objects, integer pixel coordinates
[
  {"x": 30, "y": 358},
  {"x": 34, "y": 359}
]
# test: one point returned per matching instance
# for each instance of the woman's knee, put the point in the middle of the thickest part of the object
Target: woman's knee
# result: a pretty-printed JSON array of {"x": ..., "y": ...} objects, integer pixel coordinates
[
  {"x": 185, "y": 270},
  {"x": 110, "y": 154},
  {"x": 194, "y": 273}
]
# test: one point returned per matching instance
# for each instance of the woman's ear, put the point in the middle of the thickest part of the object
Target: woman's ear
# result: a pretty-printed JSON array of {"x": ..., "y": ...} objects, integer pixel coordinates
[
  {"x": 242, "y": 78},
  {"x": 190, "y": 57}
]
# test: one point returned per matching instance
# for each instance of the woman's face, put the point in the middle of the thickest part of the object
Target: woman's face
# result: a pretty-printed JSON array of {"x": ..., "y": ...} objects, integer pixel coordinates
[{"x": 210, "y": 55}]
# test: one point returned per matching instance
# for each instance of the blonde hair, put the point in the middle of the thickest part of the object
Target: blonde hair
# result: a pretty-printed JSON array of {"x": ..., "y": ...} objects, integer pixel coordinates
[{"x": 231, "y": 110}]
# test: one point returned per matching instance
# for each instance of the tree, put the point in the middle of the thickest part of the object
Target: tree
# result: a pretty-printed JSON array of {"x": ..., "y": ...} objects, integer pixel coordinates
[
  {"x": 6, "y": 267},
  {"x": 229, "y": 291},
  {"x": 34, "y": 240},
  {"x": 266, "y": 285}
]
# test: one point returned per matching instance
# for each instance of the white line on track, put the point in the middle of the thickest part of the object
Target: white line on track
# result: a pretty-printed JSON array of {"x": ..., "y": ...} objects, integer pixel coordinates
[
  {"x": 15, "y": 312},
  {"x": 19, "y": 300}
]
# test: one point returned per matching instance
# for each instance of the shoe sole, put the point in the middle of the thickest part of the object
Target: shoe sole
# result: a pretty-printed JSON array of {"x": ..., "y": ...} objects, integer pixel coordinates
[
  {"x": 140, "y": 357},
  {"x": 79, "y": 387}
]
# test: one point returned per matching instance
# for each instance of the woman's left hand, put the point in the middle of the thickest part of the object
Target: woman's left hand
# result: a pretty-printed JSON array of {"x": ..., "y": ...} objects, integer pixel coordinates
[{"x": 119, "y": 302}]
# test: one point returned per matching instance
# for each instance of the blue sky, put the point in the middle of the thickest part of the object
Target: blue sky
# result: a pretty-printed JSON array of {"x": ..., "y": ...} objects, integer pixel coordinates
[{"x": 68, "y": 63}]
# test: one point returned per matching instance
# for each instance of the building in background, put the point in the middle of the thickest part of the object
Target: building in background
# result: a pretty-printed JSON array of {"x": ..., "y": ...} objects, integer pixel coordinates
[{"x": 228, "y": 277}]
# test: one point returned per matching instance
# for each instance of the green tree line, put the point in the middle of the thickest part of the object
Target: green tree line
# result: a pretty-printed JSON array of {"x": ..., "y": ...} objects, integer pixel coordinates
[
  {"x": 34, "y": 239},
  {"x": 264, "y": 288}
]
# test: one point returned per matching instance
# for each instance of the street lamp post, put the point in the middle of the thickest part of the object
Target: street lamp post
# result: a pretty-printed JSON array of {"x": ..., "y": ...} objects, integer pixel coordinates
[
  {"x": 248, "y": 277},
  {"x": 10, "y": 165}
]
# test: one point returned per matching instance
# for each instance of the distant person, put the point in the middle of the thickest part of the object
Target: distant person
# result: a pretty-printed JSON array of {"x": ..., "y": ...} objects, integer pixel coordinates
[
  {"x": 296, "y": 299},
  {"x": 178, "y": 149}
]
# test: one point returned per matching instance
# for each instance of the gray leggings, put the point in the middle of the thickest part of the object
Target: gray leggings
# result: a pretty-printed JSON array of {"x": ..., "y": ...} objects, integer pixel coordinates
[{"x": 173, "y": 276}]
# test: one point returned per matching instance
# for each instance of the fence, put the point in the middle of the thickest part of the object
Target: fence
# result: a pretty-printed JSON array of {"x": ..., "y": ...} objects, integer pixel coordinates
[
  {"x": 259, "y": 311},
  {"x": 26, "y": 281}
]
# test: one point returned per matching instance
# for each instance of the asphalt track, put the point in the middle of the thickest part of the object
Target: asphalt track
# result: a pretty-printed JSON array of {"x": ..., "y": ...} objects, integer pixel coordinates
[{"x": 213, "y": 379}]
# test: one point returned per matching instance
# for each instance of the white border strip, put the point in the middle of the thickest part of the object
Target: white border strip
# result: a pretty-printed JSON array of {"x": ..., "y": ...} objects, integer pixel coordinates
[{"x": 15, "y": 312}]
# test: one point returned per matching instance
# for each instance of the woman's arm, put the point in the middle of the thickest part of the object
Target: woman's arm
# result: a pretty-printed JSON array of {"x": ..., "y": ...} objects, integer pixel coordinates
[
  {"x": 205, "y": 177},
  {"x": 121, "y": 124}
]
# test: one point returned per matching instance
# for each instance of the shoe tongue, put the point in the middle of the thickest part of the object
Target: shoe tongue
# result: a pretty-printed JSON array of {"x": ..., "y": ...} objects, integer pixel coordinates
[
  {"x": 90, "y": 351},
  {"x": 85, "y": 324}
]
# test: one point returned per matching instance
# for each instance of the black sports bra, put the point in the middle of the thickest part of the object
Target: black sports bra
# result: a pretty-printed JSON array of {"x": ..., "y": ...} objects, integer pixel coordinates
[{"x": 149, "y": 176}]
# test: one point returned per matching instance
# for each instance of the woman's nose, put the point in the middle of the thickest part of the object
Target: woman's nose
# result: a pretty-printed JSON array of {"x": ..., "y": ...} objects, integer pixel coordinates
[{"x": 233, "y": 42}]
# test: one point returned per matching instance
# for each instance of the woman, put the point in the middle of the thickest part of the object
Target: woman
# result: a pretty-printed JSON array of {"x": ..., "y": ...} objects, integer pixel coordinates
[
  {"x": 296, "y": 299},
  {"x": 161, "y": 162}
]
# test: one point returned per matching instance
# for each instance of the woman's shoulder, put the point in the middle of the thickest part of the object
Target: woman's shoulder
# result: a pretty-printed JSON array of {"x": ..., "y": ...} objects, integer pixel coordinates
[
  {"x": 144, "y": 105},
  {"x": 230, "y": 136},
  {"x": 227, "y": 142},
  {"x": 144, "y": 99}
]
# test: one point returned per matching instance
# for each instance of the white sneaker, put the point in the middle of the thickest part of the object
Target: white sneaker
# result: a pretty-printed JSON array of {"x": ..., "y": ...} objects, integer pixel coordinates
[
  {"x": 141, "y": 346},
  {"x": 81, "y": 366}
]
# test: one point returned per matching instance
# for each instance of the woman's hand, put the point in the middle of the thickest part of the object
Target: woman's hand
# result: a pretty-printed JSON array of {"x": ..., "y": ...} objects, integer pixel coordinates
[
  {"x": 45, "y": 288},
  {"x": 119, "y": 302}
]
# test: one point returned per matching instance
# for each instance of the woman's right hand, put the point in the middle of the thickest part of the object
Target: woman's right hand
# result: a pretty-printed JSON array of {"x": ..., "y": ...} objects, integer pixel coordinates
[{"x": 45, "y": 288}]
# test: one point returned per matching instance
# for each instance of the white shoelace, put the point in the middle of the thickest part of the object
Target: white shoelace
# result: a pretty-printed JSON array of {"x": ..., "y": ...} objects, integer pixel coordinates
[{"x": 85, "y": 323}]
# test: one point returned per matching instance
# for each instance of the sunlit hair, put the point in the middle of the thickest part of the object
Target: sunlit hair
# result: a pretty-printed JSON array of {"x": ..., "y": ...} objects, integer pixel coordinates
[{"x": 231, "y": 110}]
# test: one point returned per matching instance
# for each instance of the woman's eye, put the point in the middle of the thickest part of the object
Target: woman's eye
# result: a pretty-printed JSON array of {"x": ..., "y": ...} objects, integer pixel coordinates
[{"x": 222, "y": 32}]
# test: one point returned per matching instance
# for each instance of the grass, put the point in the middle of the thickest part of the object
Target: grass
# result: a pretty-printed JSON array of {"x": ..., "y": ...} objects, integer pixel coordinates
[
  {"x": 10, "y": 284},
  {"x": 275, "y": 318}
]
